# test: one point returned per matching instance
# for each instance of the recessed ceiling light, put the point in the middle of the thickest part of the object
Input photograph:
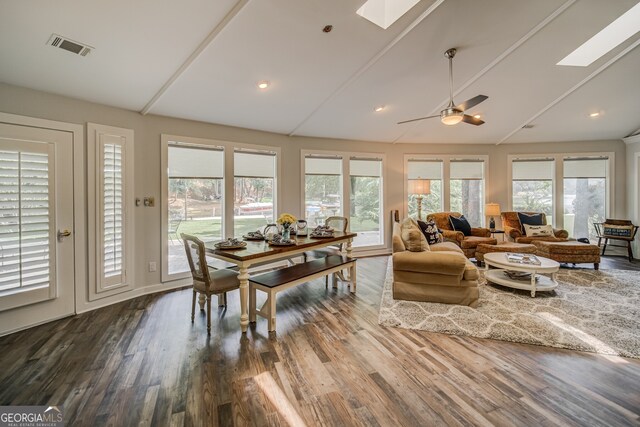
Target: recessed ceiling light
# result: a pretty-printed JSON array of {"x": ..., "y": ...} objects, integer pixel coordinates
[
  {"x": 379, "y": 108},
  {"x": 477, "y": 116},
  {"x": 263, "y": 84},
  {"x": 609, "y": 37},
  {"x": 596, "y": 114}
]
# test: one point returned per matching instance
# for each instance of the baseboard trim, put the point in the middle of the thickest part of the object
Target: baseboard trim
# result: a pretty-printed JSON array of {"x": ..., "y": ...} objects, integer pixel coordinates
[
  {"x": 33, "y": 325},
  {"x": 138, "y": 292}
]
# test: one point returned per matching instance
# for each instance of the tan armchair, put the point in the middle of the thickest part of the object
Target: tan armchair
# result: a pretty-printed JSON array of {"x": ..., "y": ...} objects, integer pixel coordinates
[
  {"x": 467, "y": 243},
  {"x": 513, "y": 229},
  {"x": 441, "y": 274}
]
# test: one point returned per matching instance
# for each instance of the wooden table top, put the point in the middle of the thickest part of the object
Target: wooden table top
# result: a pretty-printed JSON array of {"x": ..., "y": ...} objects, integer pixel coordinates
[{"x": 261, "y": 249}]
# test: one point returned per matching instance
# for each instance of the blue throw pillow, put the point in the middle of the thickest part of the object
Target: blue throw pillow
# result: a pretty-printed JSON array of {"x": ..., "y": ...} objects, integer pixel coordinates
[
  {"x": 460, "y": 224},
  {"x": 431, "y": 232},
  {"x": 534, "y": 219}
]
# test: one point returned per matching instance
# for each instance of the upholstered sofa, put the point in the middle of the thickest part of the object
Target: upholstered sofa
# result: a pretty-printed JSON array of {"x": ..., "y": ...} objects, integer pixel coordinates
[
  {"x": 440, "y": 274},
  {"x": 468, "y": 244},
  {"x": 513, "y": 229}
]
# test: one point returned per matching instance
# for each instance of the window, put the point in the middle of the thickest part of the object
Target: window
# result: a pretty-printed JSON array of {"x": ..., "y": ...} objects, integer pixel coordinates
[
  {"x": 365, "y": 206},
  {"x": 585, "y": 195},
  {"x": 322, "y": 188},
  {"x": 254, "y": 196},
  {"x": 532, "y": 186},
  {"x": 466, "y": 189},
  {"x": 430, "y": 170},
  {"x": 195, "y": 199},
  {"x": 111, "y": 223},
  {"x": 349, "y": 185},
  {"x": 213, "y": 190}
]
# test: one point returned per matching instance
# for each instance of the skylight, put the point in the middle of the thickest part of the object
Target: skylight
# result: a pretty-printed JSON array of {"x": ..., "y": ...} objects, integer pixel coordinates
[
  {"x": 383, "y": 13},
  {"x": 609, "y": 37}
]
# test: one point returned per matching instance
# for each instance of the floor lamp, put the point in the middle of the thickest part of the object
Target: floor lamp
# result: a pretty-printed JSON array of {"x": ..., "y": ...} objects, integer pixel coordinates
[{"x": 419, "y": 187}]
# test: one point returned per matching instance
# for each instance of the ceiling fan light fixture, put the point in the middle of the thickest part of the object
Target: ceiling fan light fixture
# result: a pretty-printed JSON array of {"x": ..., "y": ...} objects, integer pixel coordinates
[{"x": 451, "y": 116}]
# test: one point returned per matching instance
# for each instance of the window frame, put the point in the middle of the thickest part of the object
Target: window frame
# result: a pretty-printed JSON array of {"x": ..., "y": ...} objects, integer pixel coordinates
[
  {"x": 558, "y": 180},
  {"x": 229, "y": 148},
  {"x": 259, "y": 150},
  {"x": 446, "y": 160},
  {"x": 345, "y": 196},
  {"x": 99, "y": 287}
]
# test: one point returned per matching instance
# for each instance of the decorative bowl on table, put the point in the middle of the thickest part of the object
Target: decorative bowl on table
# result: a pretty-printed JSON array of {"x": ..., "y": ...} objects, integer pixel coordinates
[
  {"x": 278, "y": 240},
  {"x": 253, "y": 235},
  {"x": 231, "y": 243}
]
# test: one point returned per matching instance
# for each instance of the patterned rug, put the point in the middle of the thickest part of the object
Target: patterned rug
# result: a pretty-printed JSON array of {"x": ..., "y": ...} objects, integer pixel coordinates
[{"x": 595, "y": 311}]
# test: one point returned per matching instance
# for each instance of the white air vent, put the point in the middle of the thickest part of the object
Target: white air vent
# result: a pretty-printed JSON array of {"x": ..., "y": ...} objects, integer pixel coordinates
[{"x": 69, "y": 45}]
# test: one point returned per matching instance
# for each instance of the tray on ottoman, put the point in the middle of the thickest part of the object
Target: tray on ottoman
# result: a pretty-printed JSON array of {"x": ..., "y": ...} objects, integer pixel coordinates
[{"x": 522, "y": 248}]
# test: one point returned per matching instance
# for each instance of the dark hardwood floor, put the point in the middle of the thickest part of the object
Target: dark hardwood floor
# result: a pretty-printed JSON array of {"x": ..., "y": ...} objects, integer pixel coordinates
[{"x": 142, "y": 362}]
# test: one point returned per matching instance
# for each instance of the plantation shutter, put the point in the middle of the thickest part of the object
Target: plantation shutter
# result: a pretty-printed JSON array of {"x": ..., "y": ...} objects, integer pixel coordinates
[
  {"x": 113, "y": 214},
  {"x": 25, "y": 230}
]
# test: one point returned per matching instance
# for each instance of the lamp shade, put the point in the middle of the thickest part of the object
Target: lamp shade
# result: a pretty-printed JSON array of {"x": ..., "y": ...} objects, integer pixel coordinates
[
  {"x": 492, "y": 209},
  {"x": 419, "y": 186}
]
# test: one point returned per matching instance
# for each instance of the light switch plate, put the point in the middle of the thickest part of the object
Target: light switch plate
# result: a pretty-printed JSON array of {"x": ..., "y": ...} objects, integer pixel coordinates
[{"x": 152, "y": 266}]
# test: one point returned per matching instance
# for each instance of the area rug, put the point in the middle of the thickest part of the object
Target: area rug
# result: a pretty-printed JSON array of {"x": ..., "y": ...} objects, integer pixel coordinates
[{"x": 595, "y": 311}]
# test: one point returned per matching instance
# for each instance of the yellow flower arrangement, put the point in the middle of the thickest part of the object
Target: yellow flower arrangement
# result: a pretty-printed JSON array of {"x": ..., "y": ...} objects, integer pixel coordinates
[{"x": 286, "y": 219}]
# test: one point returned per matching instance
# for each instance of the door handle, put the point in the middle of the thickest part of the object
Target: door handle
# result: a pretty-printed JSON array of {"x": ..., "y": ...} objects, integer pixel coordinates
[{"x": 62, "y": 234}]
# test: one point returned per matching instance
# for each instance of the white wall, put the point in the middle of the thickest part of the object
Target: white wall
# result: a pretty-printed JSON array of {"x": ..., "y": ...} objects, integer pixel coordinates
[
  {"x": 633, "y": 186},
  {"x": 148, "y": 129}
]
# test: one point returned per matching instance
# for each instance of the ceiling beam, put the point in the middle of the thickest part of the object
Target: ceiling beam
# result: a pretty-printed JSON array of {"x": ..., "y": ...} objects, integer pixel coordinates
[
  {"x": 496, "y": 61},
  {"x": 369, "y": 64},
  {"x": 573, "y": 89},
  {"x": 195, "y": 54}
]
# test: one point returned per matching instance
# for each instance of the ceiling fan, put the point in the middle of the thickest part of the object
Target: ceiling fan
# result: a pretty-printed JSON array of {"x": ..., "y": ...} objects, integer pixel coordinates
[{"x": 454, "y": 114}]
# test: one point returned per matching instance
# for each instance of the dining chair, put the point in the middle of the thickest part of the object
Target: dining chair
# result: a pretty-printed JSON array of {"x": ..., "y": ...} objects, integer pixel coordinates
[
  {"x": 337, "y": 223},
  {"x": 206, "y": 280}
]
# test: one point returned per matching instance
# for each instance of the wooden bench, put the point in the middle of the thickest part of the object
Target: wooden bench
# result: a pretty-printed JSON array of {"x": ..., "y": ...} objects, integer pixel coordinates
[{"x": 275, "y": 281}]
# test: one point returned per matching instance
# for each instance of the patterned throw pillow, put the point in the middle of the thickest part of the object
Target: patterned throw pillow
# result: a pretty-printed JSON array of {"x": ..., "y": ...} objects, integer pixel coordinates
[
  {"x": 533, "y": 219},
  {"x": 460, "y": 224},
  {"x": 431, "y": 232},
  {"x": 538, "y": 230}
]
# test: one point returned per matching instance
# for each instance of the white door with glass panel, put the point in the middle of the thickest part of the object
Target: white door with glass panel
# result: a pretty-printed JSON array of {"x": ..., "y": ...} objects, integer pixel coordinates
[{"x": 36, "y": 219}]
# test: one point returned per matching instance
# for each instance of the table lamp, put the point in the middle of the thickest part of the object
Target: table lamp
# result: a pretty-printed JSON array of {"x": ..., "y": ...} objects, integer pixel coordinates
[
  {"x": 491, "y": 210},
  {"x": 419, "y": 187}
]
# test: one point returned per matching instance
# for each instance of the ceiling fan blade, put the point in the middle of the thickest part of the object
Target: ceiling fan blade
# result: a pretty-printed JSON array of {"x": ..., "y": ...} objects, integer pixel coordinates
[
  {"x": 472, "y": 120},
  {"x": 415, "y": 120},
  {"x": 471, "y": 102}
]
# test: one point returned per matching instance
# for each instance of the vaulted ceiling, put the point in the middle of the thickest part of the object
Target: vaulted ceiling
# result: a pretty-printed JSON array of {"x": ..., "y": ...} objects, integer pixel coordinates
[{"x": 201, "y": 60}]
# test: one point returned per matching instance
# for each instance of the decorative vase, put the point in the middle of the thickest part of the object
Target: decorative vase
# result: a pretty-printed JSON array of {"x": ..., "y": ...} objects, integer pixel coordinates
[{"x": 286, "y": 231}]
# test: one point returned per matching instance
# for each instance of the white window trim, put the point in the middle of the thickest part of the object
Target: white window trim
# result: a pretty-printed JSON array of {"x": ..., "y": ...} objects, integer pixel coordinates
[
  {"x": 446, "y": 160},
  {"x": 229, "y": 148},
  {"x": 98, "y": 286},
  {"x": 558, "y": 189},
  {"x": 346, "y": 201}
]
